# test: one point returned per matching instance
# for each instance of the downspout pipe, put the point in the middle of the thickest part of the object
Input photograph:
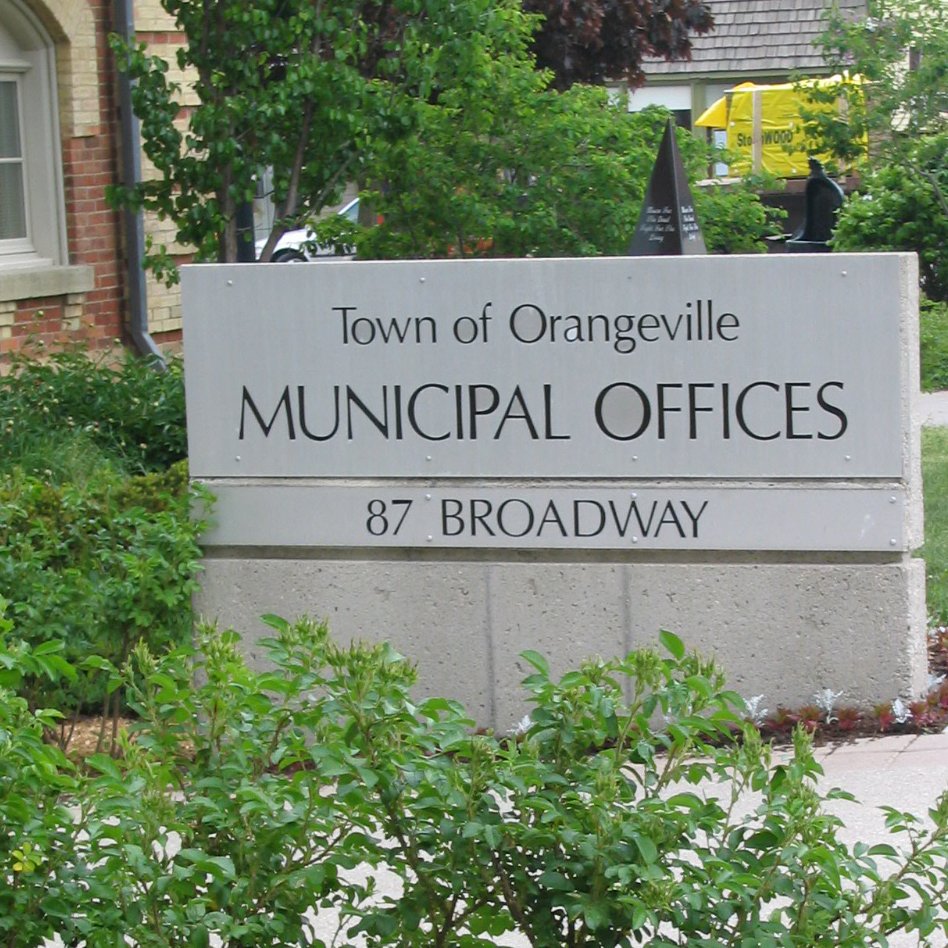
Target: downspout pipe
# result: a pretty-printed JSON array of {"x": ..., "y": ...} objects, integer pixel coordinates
[{"x": 133, "y": 220}]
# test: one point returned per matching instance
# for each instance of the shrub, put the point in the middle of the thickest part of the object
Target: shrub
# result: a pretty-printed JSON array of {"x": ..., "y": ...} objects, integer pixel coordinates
[
  {"x": 241, "y": 803},
  {"x": 97, "y": 568},
  {"x": 68, "y": 412},
  {"x": 733, "y": 219},
  {"x": 37, "y": 840},
  {"x": 586, "y": 830},
  {"x": 898, "y": 208},
  {"x": 97, "y": 545},
  {"x": 541, "y": 175}
]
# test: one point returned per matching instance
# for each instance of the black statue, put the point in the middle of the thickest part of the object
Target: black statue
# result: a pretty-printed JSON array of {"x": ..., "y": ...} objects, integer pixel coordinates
[{"x": 824, "y": 197}]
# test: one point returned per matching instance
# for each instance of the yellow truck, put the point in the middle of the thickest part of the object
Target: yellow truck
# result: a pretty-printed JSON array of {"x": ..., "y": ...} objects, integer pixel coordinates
[{"x": 765, "y": 127}]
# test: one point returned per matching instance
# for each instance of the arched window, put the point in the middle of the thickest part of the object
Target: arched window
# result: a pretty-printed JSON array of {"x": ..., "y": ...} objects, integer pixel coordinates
[{"x": 32, "y": 219}]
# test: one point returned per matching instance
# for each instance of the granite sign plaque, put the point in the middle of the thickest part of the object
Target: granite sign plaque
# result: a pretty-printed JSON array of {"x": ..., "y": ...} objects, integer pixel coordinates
[
  {"x": 473, "y": 458},
  {"x": 669, "y": 517},
  {"x": 613, "y": 367}
]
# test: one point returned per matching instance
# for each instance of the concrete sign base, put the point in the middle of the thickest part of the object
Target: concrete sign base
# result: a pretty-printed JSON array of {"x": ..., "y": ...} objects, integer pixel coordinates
[{"x": 784, "y": 629}]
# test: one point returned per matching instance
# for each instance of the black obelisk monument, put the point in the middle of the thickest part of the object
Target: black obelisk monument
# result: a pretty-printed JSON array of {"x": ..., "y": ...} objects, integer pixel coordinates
[{"x": 667, "y": 224}]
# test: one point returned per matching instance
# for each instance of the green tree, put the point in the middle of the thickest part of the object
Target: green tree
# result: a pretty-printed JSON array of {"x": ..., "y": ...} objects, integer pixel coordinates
[
  {"x": 302, "y": 88},
  {"x": 900, "y": 107},
  {"x": 900, "y": 52},
  {"x": 900, "y": 207},
  {"x": 312, "y": 92},
  {"x": 514, "y": 168}
]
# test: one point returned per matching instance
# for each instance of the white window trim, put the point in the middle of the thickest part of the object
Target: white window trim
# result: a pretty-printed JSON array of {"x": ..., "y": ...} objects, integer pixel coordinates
[
  {"x": 10, "y": 72},
  {"x": 675, "y": 98},
  {"x": 26, "y": 52}
]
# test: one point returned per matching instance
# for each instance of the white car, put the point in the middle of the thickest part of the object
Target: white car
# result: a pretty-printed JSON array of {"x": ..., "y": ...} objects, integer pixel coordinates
[{"x": 295, "y": 247}]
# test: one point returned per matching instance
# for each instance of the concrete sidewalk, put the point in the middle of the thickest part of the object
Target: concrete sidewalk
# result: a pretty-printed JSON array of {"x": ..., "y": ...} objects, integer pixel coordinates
[
  {"x": 907, "y": 771},
  {"x": 933, "y": 408}
]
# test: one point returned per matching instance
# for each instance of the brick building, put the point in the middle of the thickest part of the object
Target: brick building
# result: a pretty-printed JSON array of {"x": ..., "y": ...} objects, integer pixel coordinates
[{"x": 68, "y": 263}]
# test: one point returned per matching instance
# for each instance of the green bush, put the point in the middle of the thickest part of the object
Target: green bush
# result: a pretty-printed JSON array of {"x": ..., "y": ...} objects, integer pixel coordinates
[
  {"x": 898, "y": 209},
  {"x": 67, "y": 414},
  {"x": 97, "y": 545},
  {"x": 97, "y": 568},
  {"x": 38, "y": 837},
  {"x": 244, "y": 799},
  {"x": 733, "y": 219},
  {"x": 545, "y": 174}
]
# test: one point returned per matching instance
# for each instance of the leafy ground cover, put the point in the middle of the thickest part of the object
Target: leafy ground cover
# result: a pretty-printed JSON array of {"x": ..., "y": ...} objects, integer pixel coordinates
[
  {"x": 588, "y": 829},
  {"x": 98, "y": 549},
  {"x": 829, "y": 719}
]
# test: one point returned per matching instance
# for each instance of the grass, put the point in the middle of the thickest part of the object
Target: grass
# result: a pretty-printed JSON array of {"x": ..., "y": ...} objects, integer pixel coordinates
[
  {"x": 933, "y": 345},
  {"x": 935, "y": 550},
  {"x": 60, "y": 457}
]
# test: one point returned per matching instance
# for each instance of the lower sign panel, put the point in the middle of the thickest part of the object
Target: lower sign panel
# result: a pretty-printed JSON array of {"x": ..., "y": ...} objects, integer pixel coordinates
[{"x": 307, "y": 514}]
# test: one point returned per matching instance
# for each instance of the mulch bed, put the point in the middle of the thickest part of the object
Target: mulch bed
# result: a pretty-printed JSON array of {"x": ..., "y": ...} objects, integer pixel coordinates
[{"x": 928, "y": 715}]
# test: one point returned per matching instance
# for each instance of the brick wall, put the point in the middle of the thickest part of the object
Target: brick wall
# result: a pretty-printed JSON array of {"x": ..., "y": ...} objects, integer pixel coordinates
[
  {"x": 95, "y": 317},
  {"x": 89, "y": 123},
  {"x": 157, "y": 30},
  {"x": 90, "y": 164}
]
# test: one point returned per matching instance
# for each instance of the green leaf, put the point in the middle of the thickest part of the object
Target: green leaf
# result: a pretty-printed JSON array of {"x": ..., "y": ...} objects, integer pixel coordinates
[
  {"x": 537, "y": 661},
  {"x": 596, "y": 915},
  {"x": 48, "y": 648},
  {"x": 647, "y": 848},
  {"x": 275, "y": 622},
  {"x": 556, "y": 881},
  {"x": 492, "y": 836},
  {"x": 55, "y": 667},
  {"x": 98, "y": 663},
  {"x": 105, "y": 765},
  {"x": 673, "y": 645}
]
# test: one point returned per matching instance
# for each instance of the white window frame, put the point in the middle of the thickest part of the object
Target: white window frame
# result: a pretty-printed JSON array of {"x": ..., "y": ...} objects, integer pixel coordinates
[
  {"x": 27, "y": 56},
  {"x": 675, "y": 98},
  {"x": 8, "y": 74}
]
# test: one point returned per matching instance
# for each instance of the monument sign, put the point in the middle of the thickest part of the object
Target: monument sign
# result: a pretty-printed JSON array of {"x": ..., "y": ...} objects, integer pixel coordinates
[{"x": 609, "y": 407}]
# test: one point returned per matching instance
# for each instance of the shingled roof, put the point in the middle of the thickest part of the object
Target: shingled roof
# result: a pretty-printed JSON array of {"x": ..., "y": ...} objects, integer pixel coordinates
[{"x": 758, "y": 36}]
